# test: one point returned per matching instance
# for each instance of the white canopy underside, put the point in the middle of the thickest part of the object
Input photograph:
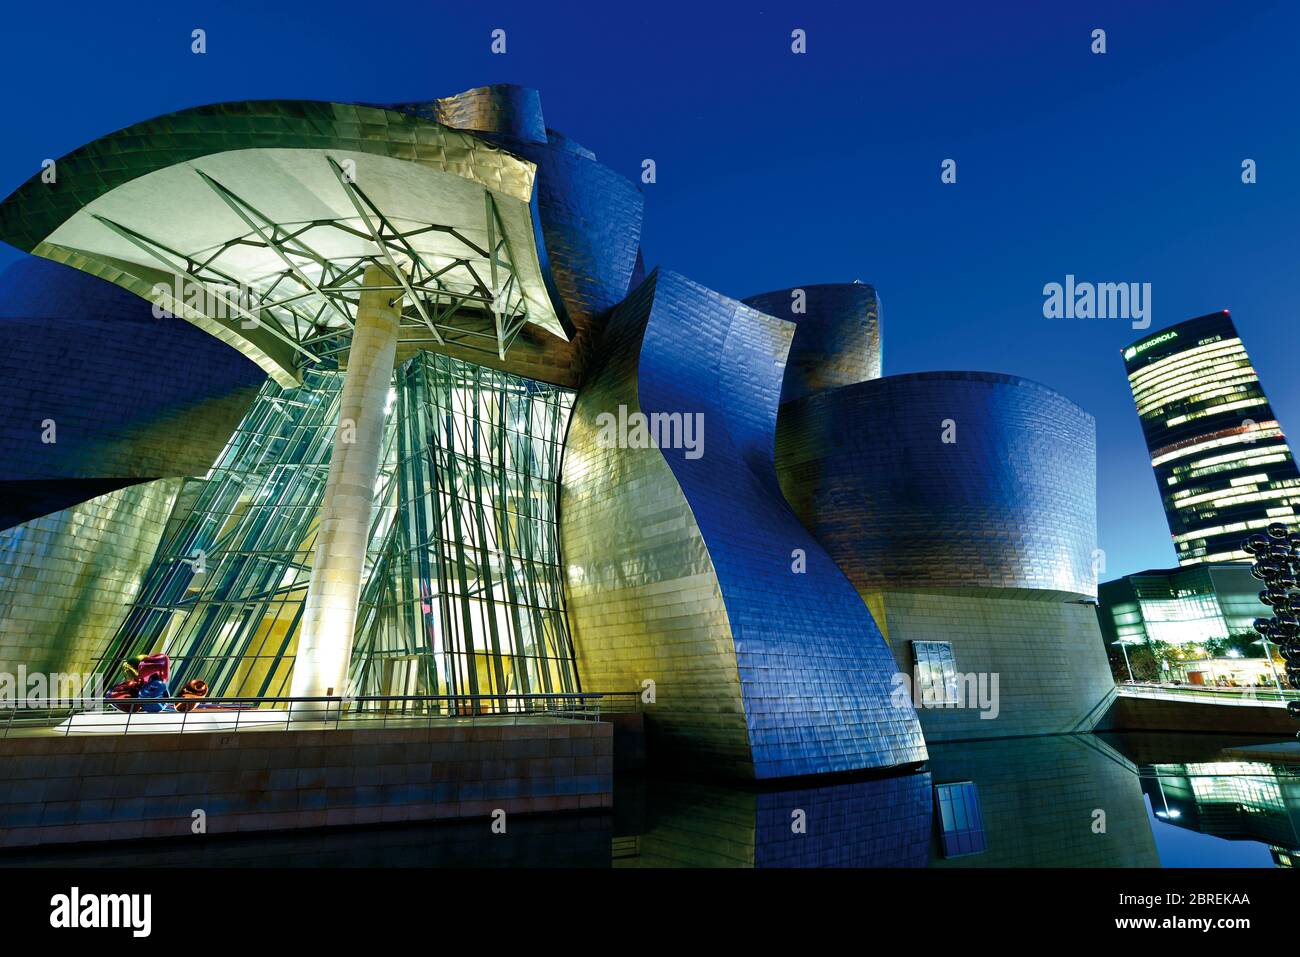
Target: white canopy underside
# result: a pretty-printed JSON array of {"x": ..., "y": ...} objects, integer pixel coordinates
[{"x": 176, "y": 208}]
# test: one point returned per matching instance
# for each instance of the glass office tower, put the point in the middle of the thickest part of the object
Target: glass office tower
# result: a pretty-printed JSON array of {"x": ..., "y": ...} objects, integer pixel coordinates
[{"x": 1220, "y": 458}]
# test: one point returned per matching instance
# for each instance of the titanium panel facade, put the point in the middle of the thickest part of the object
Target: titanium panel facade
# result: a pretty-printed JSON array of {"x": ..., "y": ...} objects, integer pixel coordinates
[
  {"x": 682, "y": 568},
  {"x": 68, "y": 579},
  {"x": 1045, "y": 654},
  {"x": 1010, "y": 503},
  {"x": 836, "y": 337},
  {"x": 81, "y": 354},
  {"x": 589, "y": 221},
  {"x": 985, "y": 541},
  {"x": 501, "y": 108}
]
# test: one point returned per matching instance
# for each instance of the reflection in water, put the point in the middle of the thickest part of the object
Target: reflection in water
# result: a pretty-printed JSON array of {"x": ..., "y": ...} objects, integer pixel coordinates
[
  {"x": 1039, "y": 799},
  {"x": 1025, "y": 802},
  {"x": 883, "y": 822},
  {"x": 556, "y": 840},
  {"x": 1234, "y": 800},
  {"x": 1066, "y": 801}
]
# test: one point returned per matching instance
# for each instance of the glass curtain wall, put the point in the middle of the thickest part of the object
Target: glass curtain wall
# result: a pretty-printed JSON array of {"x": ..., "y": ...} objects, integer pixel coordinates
[
  {"x": 462, "y": 592},
  {"x": 467, "y": 596},
  {"x": 224, "y": 594}
]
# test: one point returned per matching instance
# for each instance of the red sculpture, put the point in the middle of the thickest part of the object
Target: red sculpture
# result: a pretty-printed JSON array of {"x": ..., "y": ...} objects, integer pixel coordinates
[
  {"x": 144, "y": 670},
  {"x": 198, "y": 688},
  {"x": 125, "y": 690}
]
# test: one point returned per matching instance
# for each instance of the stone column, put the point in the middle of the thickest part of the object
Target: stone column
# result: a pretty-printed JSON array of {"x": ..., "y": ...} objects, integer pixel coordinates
[{"x": 330, "y": 614}]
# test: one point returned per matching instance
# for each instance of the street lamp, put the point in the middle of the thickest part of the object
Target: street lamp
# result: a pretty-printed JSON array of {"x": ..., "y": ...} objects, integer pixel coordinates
[
  {"x": 1123, "y": 646},
  {"x": 1268, "y": 653}
]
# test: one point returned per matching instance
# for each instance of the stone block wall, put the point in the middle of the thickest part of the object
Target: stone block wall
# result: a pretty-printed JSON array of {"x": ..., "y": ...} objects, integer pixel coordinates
[{"x": 62, "y": 789}]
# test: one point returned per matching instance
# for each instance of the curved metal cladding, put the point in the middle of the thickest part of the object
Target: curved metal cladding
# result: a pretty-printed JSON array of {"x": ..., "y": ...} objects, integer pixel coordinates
[
  {"x": 591, "y": 227},
  {"x": 836, "y": 337},
  {"x": 686, "y": 566},
  {"x": 88, "y": 405},
  {"x": 962, "y": 507},
  {"x": 68, "y": 579},
  {"x": 500, "y": 108},
  {"x": 1009, "y": 502},
  {"x": 589, "y": 216}
]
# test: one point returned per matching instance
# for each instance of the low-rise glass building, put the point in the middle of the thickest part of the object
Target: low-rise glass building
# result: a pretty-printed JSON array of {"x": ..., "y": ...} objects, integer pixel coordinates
[{"x": 1189, "y": 615}]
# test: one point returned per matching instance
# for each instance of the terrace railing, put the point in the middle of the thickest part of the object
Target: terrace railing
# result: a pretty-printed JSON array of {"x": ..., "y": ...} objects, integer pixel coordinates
[
  {"x": 78, "y": 716},
  {"x": 1243, "y": 696}
]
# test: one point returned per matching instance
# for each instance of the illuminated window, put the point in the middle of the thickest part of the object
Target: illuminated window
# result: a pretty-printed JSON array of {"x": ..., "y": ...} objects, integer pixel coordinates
[{"x": 935, "y": 673}]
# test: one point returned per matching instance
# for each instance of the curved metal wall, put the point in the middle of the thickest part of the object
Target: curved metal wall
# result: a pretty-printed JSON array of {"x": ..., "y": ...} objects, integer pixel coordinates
[
  {"x": 68, "y": 579},
  {"x": 1010, "y": 503},
  {"x": 591, "y": 223},
  {"x": 589, "y": 220},
  {"x": 836, "y": 337},
  {"x": 85, "y": 355},
  {"x": 499, "y": 108},
  {"x": 687, "y": 570}
]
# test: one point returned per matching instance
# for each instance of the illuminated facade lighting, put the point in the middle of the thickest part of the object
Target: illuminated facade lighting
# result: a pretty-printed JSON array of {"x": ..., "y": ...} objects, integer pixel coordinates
[
  {"x": 1180, "y": 606},
  {"x": 1221, "y": 460}
]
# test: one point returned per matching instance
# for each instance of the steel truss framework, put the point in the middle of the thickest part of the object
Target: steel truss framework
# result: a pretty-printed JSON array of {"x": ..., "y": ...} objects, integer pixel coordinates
[
  {"x": 311, "y": 303},
  {"x": 463, "y": 591}
]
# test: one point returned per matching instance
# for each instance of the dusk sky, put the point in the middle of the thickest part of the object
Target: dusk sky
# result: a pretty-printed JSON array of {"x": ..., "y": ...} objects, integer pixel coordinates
[{"x": 777, "y": 169}]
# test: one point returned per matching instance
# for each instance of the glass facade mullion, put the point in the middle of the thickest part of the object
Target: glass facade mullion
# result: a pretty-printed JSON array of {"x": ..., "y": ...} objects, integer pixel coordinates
[{"x": 463, "y": 591}]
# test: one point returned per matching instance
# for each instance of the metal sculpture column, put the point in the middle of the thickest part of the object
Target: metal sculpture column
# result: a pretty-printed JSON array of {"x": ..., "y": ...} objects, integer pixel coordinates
[
  {"x": 330, "y": 611},
  {"x": 1277, "y": 562}
]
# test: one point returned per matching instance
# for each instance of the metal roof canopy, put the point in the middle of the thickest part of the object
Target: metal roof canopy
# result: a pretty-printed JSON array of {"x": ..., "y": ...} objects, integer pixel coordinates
[
  {"x": 287, "y": 202},
  {"x": 296, "y": 227}
]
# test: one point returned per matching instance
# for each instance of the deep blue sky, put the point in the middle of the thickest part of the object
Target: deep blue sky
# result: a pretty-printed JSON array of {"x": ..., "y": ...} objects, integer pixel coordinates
[{"x": 778, "y": 170}]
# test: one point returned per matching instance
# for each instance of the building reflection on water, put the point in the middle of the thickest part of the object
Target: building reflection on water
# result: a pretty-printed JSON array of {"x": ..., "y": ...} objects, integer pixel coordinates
[
  {"x": 1061, "y": 801},
  {"x": 882, "y": 822},
  {"x": 1233, "y": 800},
  {"x": 1066, "y": 801},
  {"x": 1034, "y": 805}
]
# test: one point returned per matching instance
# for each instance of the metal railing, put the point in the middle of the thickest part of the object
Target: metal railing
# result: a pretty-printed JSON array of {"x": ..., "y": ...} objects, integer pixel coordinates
[
  {"x": 1242, "y": 696},
  {"x": 77, "y": 716}
]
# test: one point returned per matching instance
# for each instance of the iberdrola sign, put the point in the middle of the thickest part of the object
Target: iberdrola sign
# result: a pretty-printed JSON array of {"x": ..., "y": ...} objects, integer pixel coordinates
[{"x": 1132, "y": 351}]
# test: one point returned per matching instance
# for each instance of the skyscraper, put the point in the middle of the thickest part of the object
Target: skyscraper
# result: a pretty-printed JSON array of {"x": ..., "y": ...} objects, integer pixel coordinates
[{"x": 1220, "y": 458}]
